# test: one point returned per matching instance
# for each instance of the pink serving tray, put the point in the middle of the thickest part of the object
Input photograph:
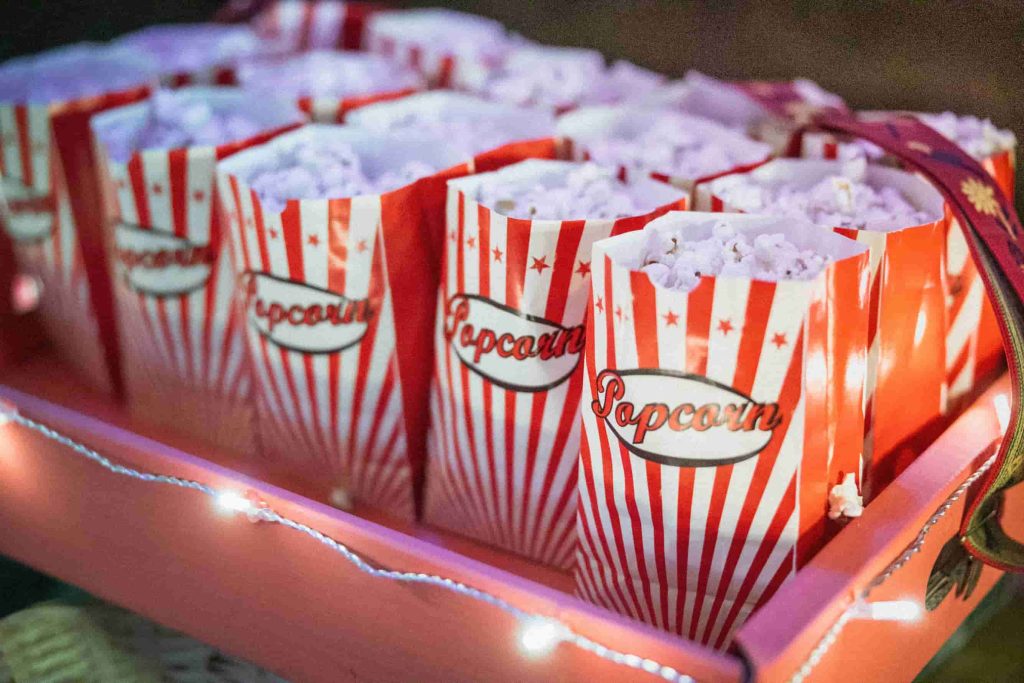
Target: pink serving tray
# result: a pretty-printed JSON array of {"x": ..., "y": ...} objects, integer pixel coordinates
[{"x": 278, "y": 598}]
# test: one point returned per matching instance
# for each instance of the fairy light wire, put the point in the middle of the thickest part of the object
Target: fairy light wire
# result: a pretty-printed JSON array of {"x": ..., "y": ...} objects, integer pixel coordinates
[
  {"x": 855, "y": 610},
  {"x": 560, "y": 632}
]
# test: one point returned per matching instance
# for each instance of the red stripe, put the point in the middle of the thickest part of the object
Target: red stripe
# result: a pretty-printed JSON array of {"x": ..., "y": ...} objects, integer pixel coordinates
[
  {"x": 517, "y": 246},
  {"x": 177, "y": 166},
  {"x": 772, "y": 538},
  {"x": 137, "y": 178},
  {"x": 607, "y": 450},
  {"x": 475, "y": 457},
  {"x": 645, "y": 326},
  {"x": 291, "y": 226},
  {"x": 261, "y": 231},
  {"x": 755, "y": 326},
  {"x": 24, "y": 144},
  {"x": 339, "y": 216},
  {"x": 789, "y": 396},
  {"x": 306, "y": 25},
  {"x": 483, "y": 218},
  {"x": 698, "y": 326}
]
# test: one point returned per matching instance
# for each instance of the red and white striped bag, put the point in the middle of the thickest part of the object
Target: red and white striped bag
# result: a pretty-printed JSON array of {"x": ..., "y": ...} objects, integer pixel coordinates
[
  {"x": 440, "y": 43},
  {"x": 504, "y": 420},
  {"x": 338, "y": 297},
  {"x": 181, "y": 340},
  {"x": 585, "y": 127},
  {"x": 301, "y": 25},
  {"x": 906, "y": 345},
  {"x": 715, "y": 423},
  {"x": 52, "y": 209},
  {"x": 974, "y": 346},
  {"x": 264, "y": 73}
]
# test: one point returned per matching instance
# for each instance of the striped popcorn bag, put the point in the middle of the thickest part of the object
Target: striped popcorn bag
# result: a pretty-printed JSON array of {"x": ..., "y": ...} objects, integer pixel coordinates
[
  {"x": 442, "y": 44},
  {"x": 328, "y": 84},
  {"x": 301, "y": 25},
  {"x": 183, "y": 350},
  {"x": 338, "y": 297},
  {"x": 906, "y": 345},
  {"x": 52, "y": 208},
  {"x": 492, "y": 134},
  {"x": 620, "y": 136},
  {"x": 974, "y": 348},
  {"x": 505, "y": 404},
  {"x": 195, "y": 54},
  {"x": 717, "y": 423}
]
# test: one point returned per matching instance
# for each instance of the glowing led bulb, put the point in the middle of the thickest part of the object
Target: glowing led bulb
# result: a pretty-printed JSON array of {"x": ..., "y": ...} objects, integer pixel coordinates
[
  {"x": 7, "y": 411},
  {"x": 891, "y": 610},
  {"x": 538, "y": 636},
  {"x": 232, "y": 501}
]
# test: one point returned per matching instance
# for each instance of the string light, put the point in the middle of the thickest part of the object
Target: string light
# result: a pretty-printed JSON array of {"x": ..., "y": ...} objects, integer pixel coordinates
[
  {"x": 7, "y": 412},
  {"x": 538, "y": 635},
  {"x": 854, "y": 611},
  {"x": 232, "y": 501},
  {"x": 907, "y": 611}
]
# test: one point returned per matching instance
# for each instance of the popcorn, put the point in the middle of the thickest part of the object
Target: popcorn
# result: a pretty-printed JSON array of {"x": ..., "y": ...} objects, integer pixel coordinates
[
  {"x": 467, "y": 123},
  {"x": 324, "y": 73},
  {"x": 73, "y": 72},
  {"x": 672, "y": 262},
  {"x": 978, "y": 137},
  {"x": 563, "y": 78},
  {"x": 184, "y": 48},
  {"x": 319, "y": 169},
  {"x": 586, "y": 191},
  {"x": 845, "y": 199},
  {"x": 179, "y": 119},
  {"x": 844, "y": 500},
  {"x": 434, "y": 33},
  {"x": 675, "y": 145}
]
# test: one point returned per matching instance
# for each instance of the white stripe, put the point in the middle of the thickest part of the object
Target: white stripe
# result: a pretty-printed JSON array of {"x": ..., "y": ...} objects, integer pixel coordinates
[{"x": 39, "y": 139}]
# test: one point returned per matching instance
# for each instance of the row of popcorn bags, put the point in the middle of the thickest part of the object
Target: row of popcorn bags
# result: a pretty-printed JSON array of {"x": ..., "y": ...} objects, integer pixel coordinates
[
  {"x": 504, "y": 440},
  {"x": 717, "y": 418},
  {"x": 51, "y": 201},
  {"x": 184, "y": 360},
  {"x": 974, "y": 347},
  {"x": 339, "y": 292},
  {"x": 905, "y": 391}
]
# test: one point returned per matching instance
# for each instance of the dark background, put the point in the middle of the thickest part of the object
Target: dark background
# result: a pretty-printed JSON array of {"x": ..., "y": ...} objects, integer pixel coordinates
[{"x": 932, "y": 56}]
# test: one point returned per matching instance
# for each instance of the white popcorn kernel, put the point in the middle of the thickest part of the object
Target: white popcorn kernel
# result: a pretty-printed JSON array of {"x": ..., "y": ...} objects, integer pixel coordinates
[
  {"x": 677, "y": 145},
  {"x": 844, "y": 500},
  {"x": 175, "y": 119},
  {"x": 74, "y": 71},
  {"x": 325, "y": 73},
  {"x": 840, "y": 200},
  {"x": 587, "y": 191},
  {"x": 978, "y": 137},
  {"x": 182, "y": 48},
  {"x": 726, "y": 253},
  {"x": 563, "y": 78},
  {"x": 324, "y": 169}
]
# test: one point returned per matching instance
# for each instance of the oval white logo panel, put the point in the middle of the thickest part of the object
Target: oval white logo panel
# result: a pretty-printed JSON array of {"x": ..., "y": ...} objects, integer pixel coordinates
[
  {"x": 160, "y": 264},
  {"x": 27, "y": 214},
  {"x": 304, "y": 318},
  {"x": 673, "y": 418},
  {"x": 514, "y": 350}
]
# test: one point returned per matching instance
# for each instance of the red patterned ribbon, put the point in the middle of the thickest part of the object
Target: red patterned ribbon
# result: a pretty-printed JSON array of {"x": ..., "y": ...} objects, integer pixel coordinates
[{"x": 993, "y": 233}]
